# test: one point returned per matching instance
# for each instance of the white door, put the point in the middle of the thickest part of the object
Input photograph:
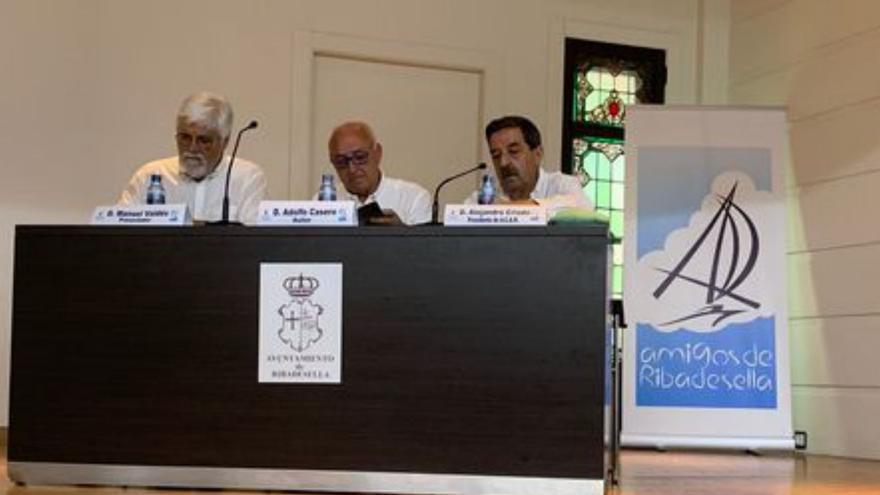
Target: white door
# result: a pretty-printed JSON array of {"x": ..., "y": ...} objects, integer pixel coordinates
[{"x": 428, "y": 119}]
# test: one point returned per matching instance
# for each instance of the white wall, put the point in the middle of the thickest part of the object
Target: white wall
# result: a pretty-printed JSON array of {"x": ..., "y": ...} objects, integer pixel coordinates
[
  {"x": 819, "y": 58},
  {"x": 89, "y": 87}
]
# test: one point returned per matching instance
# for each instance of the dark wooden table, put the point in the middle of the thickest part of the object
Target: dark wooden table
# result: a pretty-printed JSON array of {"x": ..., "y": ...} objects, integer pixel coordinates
[{"x": 470, "y": 355}]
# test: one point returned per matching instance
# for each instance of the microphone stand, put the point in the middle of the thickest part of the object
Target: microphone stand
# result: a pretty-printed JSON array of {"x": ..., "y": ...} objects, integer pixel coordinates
[
  {"x": 224, "y": 218},
  {"x": 435, "y": 206}
]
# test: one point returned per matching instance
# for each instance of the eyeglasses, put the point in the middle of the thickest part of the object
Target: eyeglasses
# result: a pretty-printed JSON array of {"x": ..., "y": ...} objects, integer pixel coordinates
[
  {"x": 185, "y": 140},
  {"x": 357, "y": 158}
]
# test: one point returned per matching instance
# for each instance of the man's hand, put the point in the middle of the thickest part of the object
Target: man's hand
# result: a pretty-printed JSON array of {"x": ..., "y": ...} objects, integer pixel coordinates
[{"x": 389, "y": 217}]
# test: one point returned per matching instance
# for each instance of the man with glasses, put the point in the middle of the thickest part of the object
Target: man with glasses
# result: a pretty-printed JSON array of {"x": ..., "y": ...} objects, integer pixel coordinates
[
  {"x": 356, "y": 155},
  {"x": 516, "y": 151},
  {"x": 197, "y": 175}
]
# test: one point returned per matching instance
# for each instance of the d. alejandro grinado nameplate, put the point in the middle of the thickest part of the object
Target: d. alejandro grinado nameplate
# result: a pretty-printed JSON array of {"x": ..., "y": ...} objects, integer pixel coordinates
[{"x": 494, "y": 215}]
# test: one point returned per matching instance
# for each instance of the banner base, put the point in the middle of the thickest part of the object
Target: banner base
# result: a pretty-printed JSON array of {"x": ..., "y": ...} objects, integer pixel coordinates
[{"x": 732, "y": 443}]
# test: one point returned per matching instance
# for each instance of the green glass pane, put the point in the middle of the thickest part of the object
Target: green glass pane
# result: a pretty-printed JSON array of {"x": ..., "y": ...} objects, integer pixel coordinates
[
  {"x": 606, "y": 189},
  {"x": 617, "y": 279},
  {"x": 603, "y": 194},
  {"x": 603, "y": 167},
  {"x": 590, "y": 164},
  {"x": 617, "y": 254},
  {"x": 594, "y": 108},
  {"x": 592, "y": 101},
  {"x": 618, "y": 170},
  {"x": 617, "y": 195},
  {"x": 617, "y": 223},
  {"x": 590, "y": 192}
]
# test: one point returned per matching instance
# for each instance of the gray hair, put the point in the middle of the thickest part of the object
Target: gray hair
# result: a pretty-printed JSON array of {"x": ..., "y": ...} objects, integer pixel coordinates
[{"x": 209, "y": 109}]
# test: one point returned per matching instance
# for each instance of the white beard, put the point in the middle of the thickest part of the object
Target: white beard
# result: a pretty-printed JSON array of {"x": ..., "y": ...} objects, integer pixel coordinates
[{"x": 195, "y": 166}]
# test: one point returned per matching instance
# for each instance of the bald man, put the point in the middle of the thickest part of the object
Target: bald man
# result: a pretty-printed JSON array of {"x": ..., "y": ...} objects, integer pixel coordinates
[{"x": 356, "y": 155}]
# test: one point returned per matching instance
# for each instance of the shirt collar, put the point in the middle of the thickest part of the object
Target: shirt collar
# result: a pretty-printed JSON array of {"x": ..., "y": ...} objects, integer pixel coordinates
[
  {"x": 540, "y": 185},
  {"x": 372, "y": 198}
]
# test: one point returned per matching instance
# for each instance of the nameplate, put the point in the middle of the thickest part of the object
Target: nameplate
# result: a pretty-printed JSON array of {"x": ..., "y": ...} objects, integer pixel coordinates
[
  {"x": 307, "y": 214},
  {"x": 141, "y": 215},
  {"x": 494, "y": 215}
]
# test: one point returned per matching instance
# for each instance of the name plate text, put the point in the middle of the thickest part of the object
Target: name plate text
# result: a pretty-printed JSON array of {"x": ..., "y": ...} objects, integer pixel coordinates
[
  {"x": 494, "y": 215},
  {"x": 307, "y": 213},
  {"x": 141, "y": 215}
]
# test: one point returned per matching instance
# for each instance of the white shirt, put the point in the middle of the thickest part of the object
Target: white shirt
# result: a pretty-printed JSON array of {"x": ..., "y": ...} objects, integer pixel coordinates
[
  {"x": 204, "y": 198},
  {"x": 410, "y": 201},
  {"x": 553, "y": 191}
]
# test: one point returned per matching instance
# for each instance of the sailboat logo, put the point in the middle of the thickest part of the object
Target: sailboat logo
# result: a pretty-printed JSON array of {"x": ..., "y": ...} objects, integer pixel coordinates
[{"x": 732, "y": 234}]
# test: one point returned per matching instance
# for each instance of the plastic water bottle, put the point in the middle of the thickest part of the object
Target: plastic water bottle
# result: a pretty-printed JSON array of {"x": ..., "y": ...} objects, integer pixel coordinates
[
  {"x": 486, "y": 194},
  {"x": 327, "y": 192},
  {"x": 155, "y": 191}
]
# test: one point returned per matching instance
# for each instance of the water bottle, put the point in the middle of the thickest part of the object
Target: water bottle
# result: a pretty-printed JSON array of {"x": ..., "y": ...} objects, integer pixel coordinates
[
  {"x": 155, "y": 191},
  {"x": 486, "y": 194},
  {"x": 327, "y": 192}
]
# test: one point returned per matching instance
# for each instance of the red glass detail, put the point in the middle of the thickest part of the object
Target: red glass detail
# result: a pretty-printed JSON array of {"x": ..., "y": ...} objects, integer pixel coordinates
[{"x": 614, "y": 108}]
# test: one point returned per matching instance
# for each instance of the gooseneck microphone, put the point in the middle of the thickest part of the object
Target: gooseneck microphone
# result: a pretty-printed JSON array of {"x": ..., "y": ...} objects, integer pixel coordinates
[
  {"x": 224, "y": 219},
  {"x": 435, "y": 206}
]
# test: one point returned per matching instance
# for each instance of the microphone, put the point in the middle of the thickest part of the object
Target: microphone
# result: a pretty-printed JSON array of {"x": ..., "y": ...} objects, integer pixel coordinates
[
  {"x": 224, "y": 219},
  {"x": 436, "y": 205}
]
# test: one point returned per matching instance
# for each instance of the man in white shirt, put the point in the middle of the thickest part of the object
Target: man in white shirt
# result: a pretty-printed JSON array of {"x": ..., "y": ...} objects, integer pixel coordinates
[
  {"x": 356, "y": 155},
  {"x": 197, "y": 175},
  {"x": 515, "y": 147}
]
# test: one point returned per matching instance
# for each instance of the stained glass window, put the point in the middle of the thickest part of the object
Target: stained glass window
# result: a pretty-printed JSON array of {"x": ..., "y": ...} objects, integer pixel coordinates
[{"x": 602, "y": 81}]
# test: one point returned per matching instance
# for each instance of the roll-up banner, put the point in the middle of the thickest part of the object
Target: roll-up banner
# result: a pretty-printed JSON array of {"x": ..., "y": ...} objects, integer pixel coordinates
[{"x": 706, "y": 359}]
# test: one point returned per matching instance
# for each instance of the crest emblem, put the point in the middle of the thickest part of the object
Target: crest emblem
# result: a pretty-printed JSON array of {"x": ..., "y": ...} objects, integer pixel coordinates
[{"x": 300, "y": 328}]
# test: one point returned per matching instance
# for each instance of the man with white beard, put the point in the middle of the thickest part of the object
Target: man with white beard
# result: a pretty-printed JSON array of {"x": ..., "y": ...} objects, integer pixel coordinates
[{"x": 197, "y": 175}]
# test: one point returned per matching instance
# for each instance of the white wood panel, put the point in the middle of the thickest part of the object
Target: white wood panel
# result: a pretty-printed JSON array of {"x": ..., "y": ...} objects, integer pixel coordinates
[
  {"x": 835, "y": 351},
  {"x": 715, "y": 57},
  {"x": 837, "y": 144},
  {"x": 768, "y": 89},
  {"x": 839, "y": 422},
  {"x": 741, "y": 10},
  {"x": 843, "y": 281},
  {"x": 837, "y": 22},
  {"x": 791, "y": 32},
  {"x": 835, "y": 213},
  {"x": 427, "y": 119},
  {"x": 766, "y": 41},
  {"x": 835, "y": 77}
]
